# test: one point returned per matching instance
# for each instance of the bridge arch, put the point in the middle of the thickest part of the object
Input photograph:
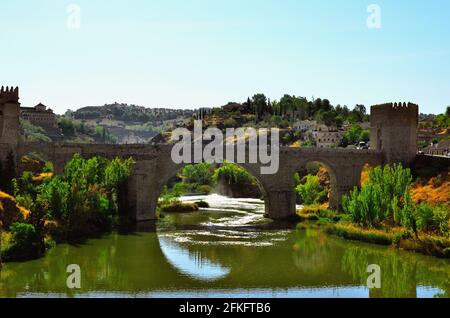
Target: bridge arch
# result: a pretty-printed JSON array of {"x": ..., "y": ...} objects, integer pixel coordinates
[
  {"x": 334, "y": 198},
  {"x": 171, "y": 171}
]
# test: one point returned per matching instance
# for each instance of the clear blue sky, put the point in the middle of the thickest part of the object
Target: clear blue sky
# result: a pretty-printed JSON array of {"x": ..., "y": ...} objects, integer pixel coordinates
[{"x": 194, "y": 53}]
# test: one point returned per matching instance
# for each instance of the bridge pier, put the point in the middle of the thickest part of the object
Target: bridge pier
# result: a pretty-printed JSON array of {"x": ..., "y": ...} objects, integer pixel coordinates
[
  {"x": 140, "y": 201},
  {"x": 280, "y": 203},
  {"x": 346, "y": 179}
]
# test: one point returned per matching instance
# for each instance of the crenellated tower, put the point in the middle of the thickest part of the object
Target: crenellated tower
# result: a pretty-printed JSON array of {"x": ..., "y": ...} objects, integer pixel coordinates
[
  {"x": 9, "y": 118},
  {"x": 394, "y": 131}
]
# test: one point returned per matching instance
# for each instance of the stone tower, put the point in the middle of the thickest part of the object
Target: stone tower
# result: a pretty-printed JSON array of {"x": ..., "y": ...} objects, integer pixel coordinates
[
  {"x": 9, "y": 120},
  {"x": 394, "y": 131}
]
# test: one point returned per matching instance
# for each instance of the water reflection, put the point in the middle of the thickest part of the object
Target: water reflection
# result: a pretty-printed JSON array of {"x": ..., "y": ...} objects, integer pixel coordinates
[
  {"x": 194, "y": 266},
  {"x": 223, "y": 253}
]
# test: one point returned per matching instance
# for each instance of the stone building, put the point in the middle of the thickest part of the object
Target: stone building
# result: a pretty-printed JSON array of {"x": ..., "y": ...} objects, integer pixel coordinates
[
  {"x": 327, "y": 136},
  {"x": 305, "y": 125},
  {"x": 440, "y": 149},
  {"x": 39, "y": 115}
]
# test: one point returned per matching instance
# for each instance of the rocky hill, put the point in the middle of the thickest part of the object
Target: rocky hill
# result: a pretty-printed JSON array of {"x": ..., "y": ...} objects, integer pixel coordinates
[{"x": 122, "y": 123}]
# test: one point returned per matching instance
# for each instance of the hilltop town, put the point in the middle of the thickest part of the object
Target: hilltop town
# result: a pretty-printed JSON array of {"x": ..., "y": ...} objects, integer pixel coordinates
[{"x": 303, "y": 123}]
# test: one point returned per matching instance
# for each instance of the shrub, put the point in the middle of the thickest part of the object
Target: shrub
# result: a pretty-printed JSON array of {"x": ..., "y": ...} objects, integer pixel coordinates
[
  {"x": 204, "y": 189},
  {"x": 424, "y": 215},
  {"x": 176, "y": 206},
  {"x": 25, "y": 243},
  {"x": 441, "y": 216}
]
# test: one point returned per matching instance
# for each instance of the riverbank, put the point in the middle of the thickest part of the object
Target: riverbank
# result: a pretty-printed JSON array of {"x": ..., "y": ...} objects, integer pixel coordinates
[
  {"x": 336, "y": 224},
  {"x": 207, "y": 253}
]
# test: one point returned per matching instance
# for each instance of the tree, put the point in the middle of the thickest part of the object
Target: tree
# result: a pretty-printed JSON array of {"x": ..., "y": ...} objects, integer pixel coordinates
[
  {"x": 311, "y": 192},
  {"x": 198, "y": 173},
  {"x": 384, "y": 198},
  {"x": 447, "y": 113},
  {"x": 233, "y": 174},
  {"x": 8, "y": 173},
  {"x": 259, "y": 103},
  {"x": 356, "y": 134},
  {"x": 361, "y": 109}
]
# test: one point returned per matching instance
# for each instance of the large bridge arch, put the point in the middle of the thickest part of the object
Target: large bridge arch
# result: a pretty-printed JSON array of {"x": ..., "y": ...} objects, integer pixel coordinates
[
  {"x": 332, "y": 173},
  {"x": 149, "y": 177}
]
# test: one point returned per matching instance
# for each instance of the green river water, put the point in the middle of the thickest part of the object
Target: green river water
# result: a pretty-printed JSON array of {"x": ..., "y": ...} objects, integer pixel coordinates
[{"x": 229, "y": 250}]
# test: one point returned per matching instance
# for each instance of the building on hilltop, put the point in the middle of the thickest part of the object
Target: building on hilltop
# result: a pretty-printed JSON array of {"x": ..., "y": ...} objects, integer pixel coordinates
[
  {"x": 327, "y": 136},
  {"x": 305, "y": 125},
  {"x": 39, "y": 115}
]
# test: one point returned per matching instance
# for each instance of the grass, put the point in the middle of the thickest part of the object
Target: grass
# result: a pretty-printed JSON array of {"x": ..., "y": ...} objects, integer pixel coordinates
[
  {"x": 179, "y": 207},
  {"x": 426, "y": 244},
  {"x": 318, "y": 213},
  {"x": 354, "y": 232}
]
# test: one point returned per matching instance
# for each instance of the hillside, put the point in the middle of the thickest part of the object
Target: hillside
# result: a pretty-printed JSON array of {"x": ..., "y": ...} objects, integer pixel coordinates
[{"x": 130, "y": 114}]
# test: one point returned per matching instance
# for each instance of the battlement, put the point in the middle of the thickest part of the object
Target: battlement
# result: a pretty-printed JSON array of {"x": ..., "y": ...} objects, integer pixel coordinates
[
  {"x": 397, "y": 107},
  {"x": 9, "y": 94}
]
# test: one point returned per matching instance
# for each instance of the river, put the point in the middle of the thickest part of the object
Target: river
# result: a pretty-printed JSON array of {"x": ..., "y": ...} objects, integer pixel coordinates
[{"x": 228, "y": 250}]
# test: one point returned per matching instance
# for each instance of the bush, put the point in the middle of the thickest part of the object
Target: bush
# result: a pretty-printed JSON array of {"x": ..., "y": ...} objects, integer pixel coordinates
[
  {"x": 25, "y": 243},
  {"x": 424, "y": 215},
  {"x": 204, "y": 189},
  {"x": 441, "y": 216},
  {"x": 176, "y": 206}
]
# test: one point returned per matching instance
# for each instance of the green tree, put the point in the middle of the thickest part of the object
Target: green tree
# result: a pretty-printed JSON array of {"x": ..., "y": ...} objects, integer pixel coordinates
[
  {"x": 233, "y": 174},
  {"x": 200, "y": 173},
  {"x": 385, "y": 197},
  {"x": 356, "y": 134},
  {"x": 311, "y": 192}
]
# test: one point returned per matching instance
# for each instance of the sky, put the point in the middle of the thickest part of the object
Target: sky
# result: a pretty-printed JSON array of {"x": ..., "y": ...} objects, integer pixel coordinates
[{"x": 205, "y": 53}]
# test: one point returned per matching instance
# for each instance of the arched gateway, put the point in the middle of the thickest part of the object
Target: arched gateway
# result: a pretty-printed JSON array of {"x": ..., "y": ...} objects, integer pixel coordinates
[{"x": 154, "y": 166}]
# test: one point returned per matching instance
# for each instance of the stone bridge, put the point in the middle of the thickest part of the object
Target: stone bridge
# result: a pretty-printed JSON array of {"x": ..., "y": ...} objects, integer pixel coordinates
[
  {"x": 393, "y": 139},
  {"x": 154, "y": 167}
]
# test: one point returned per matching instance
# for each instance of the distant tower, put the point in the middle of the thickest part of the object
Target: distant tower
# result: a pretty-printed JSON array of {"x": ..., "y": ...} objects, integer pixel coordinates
[
  {"x": 9, "y": 117},
  {"x": 394, "y": 131}
]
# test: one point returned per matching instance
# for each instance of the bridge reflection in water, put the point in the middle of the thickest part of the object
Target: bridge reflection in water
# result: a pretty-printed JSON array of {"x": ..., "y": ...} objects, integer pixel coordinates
[{"x": 228, "y": 251}]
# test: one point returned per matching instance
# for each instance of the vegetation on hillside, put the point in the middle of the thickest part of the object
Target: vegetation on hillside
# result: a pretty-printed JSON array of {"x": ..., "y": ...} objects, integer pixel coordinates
[{"x": 32, "y": 133}]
